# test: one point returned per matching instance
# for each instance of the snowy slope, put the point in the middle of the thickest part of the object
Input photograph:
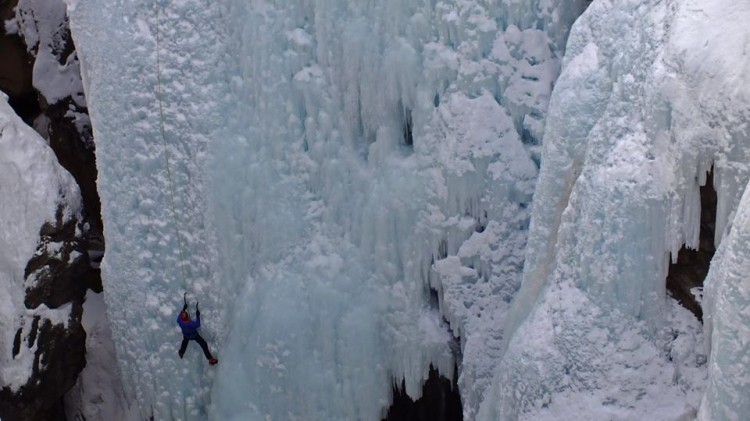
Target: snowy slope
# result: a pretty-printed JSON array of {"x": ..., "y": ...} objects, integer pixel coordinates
[
  {"x": 651, "y": 96},
  {"x": 307, "y": 164},
  {"x": 35, "y": 191}
]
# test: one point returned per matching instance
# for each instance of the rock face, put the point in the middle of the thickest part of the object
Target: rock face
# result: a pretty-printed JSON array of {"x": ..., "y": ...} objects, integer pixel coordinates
[
  {"x": 44, "y": 280},
  {"x": 16, "y": 68},
  {"x": 39, "y": 72},
  {"x": 52, "y": 280},
  {"x": 42, "y": 262}
]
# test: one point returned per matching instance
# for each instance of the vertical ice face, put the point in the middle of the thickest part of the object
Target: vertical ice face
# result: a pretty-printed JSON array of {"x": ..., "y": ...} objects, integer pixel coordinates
[
  {"x": 150, "y": 152},
  {"x": 727, "y": 298},
  {"x": 723, "y": 68},
  {"x": 323, "y": 155},
  {"x": 651, "y": 96}
]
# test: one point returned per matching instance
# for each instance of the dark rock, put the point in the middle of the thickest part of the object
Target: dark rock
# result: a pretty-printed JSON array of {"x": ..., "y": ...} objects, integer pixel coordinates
[
  {"x": 58, "y": 360},
  {"x": 53, "y": 278},
  {"x": 16, "y": 65},
  {"x": 440, "y": 401}
]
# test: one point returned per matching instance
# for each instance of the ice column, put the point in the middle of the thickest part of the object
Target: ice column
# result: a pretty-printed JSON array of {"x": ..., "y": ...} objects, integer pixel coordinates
[
  {"x": 147, "y": 268},
  {"x": 726, "y": 298}
]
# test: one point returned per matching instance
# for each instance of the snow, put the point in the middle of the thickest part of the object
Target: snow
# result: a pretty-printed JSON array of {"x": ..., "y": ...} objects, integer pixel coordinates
[
  {"x": 33, "y": 186},
  {"x": 43, "y": 25}
]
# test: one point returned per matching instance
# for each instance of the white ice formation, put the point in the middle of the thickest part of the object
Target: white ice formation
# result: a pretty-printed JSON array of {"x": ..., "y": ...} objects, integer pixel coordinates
[
  {"x": 309, "y": 170},
  {"x": 652, "y": 95},
  {"x": 319, "y": 156}
]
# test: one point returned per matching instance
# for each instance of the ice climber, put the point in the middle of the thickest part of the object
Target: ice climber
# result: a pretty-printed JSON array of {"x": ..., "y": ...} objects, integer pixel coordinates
[{"x": 190, "y": 332}]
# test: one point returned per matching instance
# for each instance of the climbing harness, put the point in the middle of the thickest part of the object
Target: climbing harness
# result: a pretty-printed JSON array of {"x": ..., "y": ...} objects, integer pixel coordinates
[{"x": 166, "y": 150}]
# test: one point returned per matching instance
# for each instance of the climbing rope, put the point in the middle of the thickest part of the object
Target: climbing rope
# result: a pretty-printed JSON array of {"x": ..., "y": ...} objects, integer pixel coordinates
[{"x": 166, "y": 150}]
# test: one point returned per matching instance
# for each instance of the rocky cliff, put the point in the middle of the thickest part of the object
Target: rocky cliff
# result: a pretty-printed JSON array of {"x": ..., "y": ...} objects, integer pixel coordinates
[{"x": 49, "y": 220}]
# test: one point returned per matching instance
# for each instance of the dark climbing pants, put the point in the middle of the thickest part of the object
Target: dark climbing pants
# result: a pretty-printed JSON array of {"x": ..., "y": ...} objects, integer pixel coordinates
[{"x": 201, "y": 342}]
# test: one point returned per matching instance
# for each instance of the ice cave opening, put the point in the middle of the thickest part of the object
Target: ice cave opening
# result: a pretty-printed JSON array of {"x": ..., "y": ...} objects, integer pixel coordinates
[
  {"x": 440, "y": 401},
  {"x": 686, "y": 276}
]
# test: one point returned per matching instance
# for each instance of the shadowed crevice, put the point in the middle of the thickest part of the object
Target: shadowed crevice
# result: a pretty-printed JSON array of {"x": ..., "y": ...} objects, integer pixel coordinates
[
  {"x": 440, "y": 401},
  {"x": 692, "y": 265}
]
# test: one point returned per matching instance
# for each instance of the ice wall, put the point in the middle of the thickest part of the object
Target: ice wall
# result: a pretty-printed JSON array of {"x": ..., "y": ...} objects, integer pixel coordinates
[
  {"x": 651, "y": 96},
  {"x": 323, "y": 155},
  {"x": 728, "y": 325},
  {"x": 151, "y": 157}
]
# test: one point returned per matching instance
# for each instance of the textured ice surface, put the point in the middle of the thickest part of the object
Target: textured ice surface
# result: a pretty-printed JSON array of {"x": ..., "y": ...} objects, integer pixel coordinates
[
  {"x": 651, "y": 96},
  {"x": 727, "y": 299},
  {"x": 33, "y": 187},
  {"x": 142, "y": 271},
  {"x": 323, "y": 155}
]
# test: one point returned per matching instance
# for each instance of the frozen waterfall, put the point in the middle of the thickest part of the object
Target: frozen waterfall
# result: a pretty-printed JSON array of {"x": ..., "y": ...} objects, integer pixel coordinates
[
  {"x": 346, "y": 187},
  {"x": 319, "y": 157}
]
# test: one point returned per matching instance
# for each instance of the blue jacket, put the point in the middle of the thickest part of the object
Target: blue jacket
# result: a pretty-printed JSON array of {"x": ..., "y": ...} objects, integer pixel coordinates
[{"x": 190, "y": 327}]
